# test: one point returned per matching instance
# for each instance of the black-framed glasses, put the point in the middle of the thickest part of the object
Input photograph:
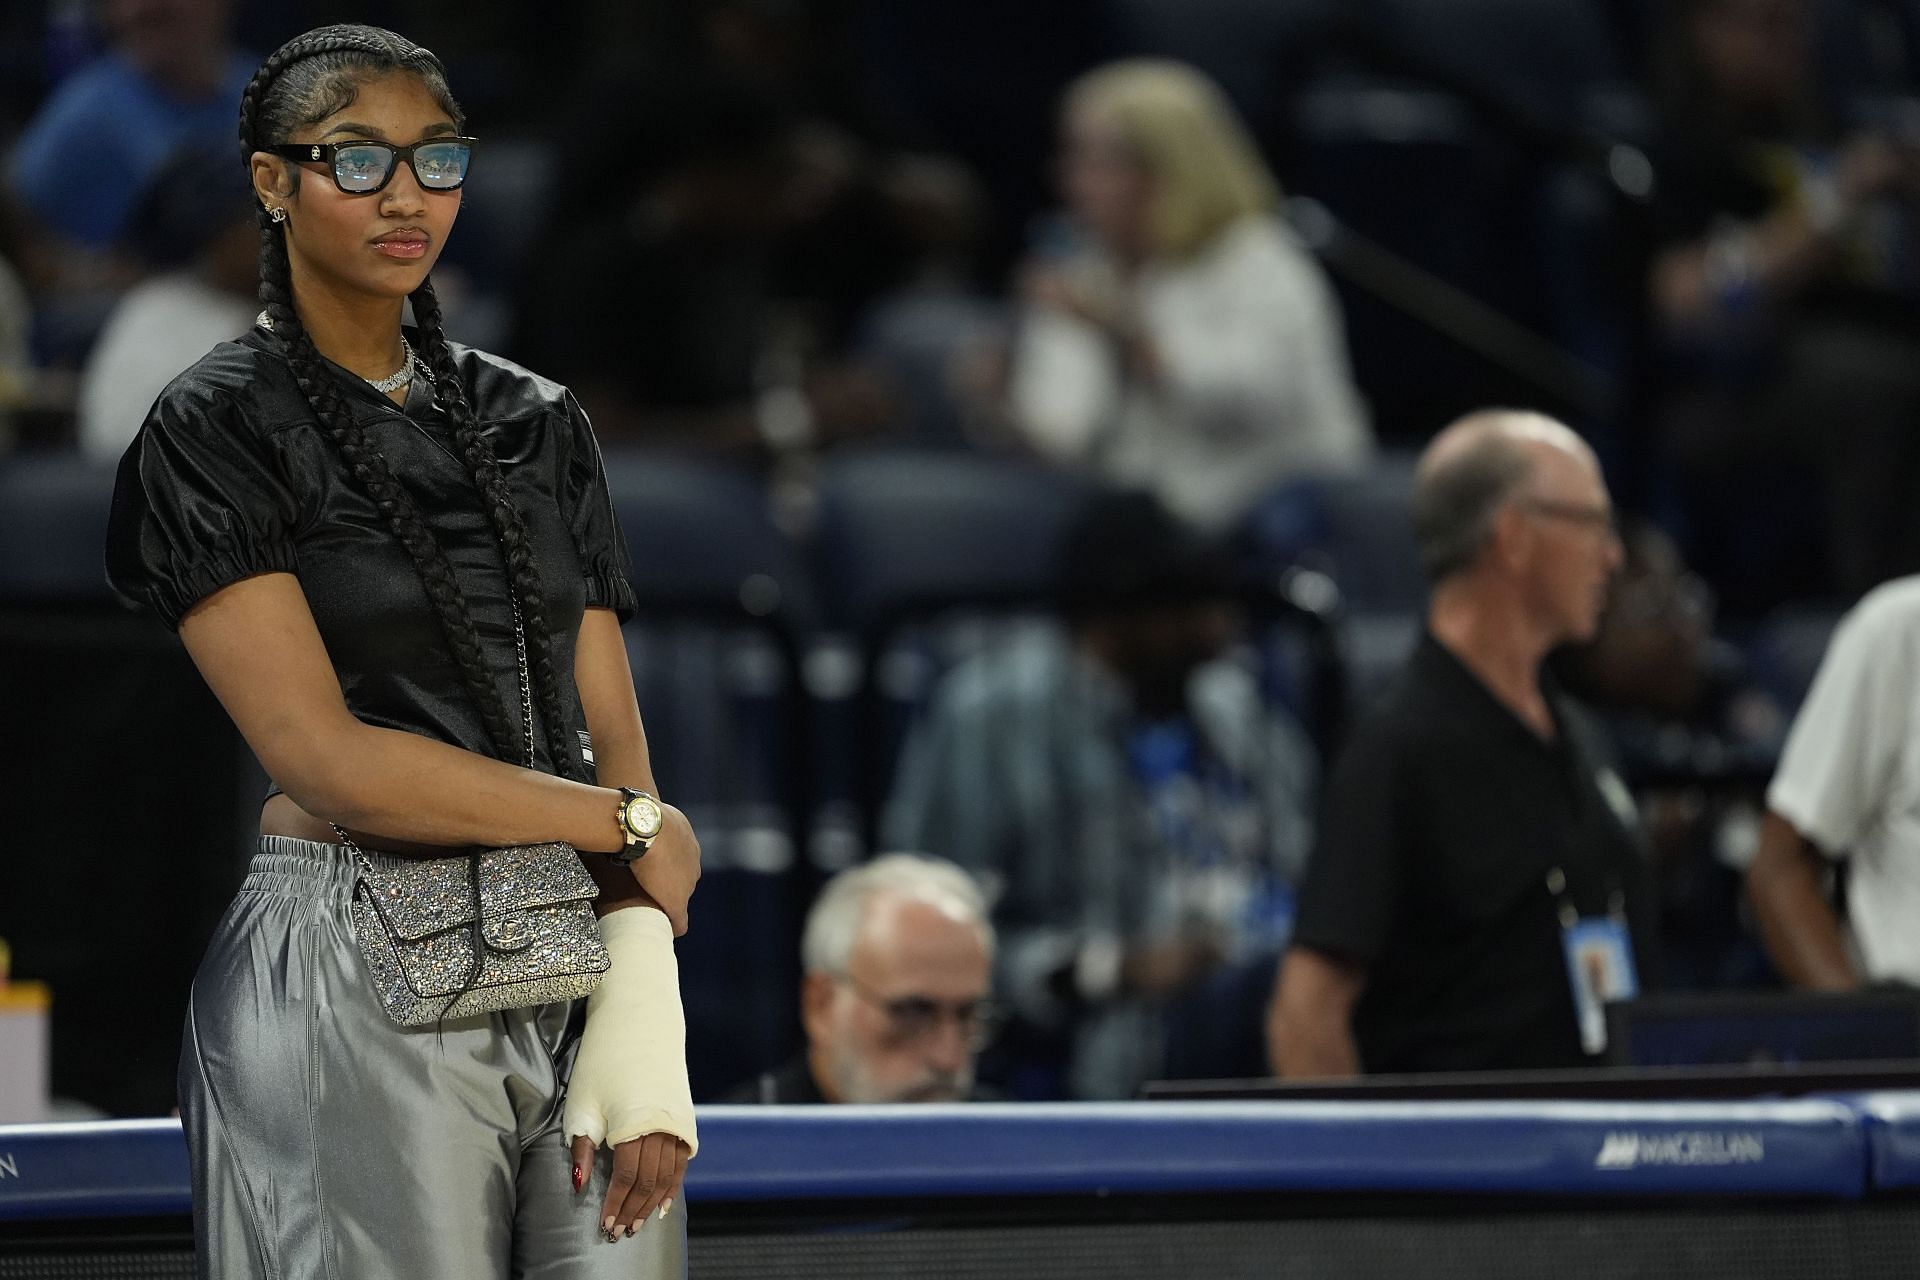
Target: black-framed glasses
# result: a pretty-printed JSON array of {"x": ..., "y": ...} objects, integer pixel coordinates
[
  {"x": 362, "y": 168},
  {"x": 913, "y": 1018}
]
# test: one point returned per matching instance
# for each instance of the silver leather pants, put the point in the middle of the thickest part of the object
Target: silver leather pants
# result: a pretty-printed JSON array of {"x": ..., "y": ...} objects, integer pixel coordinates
[{"x": 327, "y": 1141}]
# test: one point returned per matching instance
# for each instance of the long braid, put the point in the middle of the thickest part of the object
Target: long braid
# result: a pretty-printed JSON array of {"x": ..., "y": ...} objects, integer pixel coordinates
[
  {"x": 522, "y": 568},
  {"x": 370, "y": 470},
  {"x": 334, "y": 54}
]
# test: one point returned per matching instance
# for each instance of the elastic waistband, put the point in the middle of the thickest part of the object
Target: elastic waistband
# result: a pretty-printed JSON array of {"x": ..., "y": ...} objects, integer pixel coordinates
[{"x": 309, "y": 868}]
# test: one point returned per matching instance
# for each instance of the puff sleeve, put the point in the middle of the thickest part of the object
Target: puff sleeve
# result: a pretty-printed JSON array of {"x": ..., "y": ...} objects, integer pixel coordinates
[
  {"x": 198, "y": 504},
  {"x": 604, "y": 557}
]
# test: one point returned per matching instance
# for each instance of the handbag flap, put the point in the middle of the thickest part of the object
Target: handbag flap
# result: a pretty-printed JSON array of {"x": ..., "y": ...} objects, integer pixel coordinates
[{"x": 423, "y": 896}]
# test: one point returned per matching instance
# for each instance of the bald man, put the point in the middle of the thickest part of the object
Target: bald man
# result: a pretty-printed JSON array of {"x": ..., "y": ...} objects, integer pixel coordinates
[{"x": 1477, "y": 891}]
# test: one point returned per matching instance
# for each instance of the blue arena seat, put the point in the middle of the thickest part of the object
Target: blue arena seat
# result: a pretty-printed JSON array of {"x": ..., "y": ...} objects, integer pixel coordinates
[
  {"x": 917, "y": 341},
  {"x": 715, "y": 651},
  {"x": 957, "y": 544},
  {"x": 1358, "y": 531},
  {"x": 53, "y": 529},
  {"x": 903, "y": 531},
  {"x": 703, "y": 537}
]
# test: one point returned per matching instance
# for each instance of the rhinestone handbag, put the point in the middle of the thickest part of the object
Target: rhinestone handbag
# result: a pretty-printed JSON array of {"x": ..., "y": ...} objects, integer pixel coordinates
[{"x": 499, "y": 929}]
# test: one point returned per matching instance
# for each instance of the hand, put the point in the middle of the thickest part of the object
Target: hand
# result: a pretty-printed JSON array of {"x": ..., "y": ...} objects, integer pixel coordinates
[
  {"x": 1071, "y": 293},
  {"x": 1096, "y": 299},
  {"x": 671, "y": 868},
  {"x": 647, "y": 1175}
]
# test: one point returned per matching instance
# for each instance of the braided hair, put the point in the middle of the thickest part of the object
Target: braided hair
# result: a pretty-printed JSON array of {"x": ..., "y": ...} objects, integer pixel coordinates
[{"x": 306, "y": 80}]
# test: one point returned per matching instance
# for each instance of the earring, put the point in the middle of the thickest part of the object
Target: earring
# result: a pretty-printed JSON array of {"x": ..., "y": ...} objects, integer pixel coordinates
[{"x": 278, "y": 215}]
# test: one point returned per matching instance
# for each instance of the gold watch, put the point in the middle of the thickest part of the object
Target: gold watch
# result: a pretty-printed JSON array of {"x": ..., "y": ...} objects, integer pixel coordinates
[{"x": 641, "y": 819}]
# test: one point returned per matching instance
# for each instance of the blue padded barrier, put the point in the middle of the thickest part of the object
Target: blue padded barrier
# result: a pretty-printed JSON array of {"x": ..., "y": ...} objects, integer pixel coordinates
[
  {"x": 1801, "y": 1148},
  {"x": 1778, "y": 1148},
  {"x": 1893, "y": 1138},
  {"x": 121, "y": 1168}
]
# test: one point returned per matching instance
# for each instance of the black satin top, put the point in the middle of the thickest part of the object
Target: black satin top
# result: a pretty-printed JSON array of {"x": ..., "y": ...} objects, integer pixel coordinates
[{"x": 232, "y": 475}]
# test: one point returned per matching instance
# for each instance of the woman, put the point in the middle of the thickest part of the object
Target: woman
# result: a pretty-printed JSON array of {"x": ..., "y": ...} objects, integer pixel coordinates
[
  {"x": 394, "y": 561},
  {"x": 1184, "y": 342}
]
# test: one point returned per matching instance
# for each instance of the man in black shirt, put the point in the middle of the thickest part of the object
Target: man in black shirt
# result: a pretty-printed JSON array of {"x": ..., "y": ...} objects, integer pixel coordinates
[{"x": 1475, "y": 865}]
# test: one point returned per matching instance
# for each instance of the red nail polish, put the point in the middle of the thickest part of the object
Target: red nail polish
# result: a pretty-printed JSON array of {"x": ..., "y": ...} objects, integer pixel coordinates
[{"x": 579, "y": 1179}]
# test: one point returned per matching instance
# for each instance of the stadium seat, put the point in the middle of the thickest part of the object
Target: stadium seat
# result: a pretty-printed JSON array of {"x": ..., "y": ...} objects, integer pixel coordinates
[
  {"x": 1358, "y": 531},
  {"x": 53, "y": 526},
  {"x": 953, "y": 546},
  {"x": 904, "y": 532},
  {"x": 715, "y": 656}
]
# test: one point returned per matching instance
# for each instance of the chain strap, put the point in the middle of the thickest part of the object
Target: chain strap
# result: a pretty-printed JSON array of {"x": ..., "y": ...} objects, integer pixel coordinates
[{"x": 526, "y": 680}]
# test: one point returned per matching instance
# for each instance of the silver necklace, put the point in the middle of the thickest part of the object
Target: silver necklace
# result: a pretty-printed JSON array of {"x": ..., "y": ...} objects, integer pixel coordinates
[
  {"x": 400, "y": 378},
  {"x": 392, "y": 382}
]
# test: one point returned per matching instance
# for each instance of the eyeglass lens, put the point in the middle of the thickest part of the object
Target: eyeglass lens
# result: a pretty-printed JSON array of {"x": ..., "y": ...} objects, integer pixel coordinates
[
  {"x": 914, "y": 1017},
  {"x": 366, "y": 166}
]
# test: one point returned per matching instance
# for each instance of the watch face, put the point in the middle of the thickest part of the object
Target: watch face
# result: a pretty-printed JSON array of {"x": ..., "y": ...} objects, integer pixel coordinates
[{"x": 644, "y": 816}]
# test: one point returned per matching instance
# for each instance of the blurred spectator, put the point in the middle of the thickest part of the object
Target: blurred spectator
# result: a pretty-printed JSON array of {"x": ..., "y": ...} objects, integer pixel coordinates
[
  {"x": 898, "y": 958},
  {"x": 1671, "y": 691},
  {"x": 194, "y": 228},
  {"x": 973, "y": 79},
  {"x": 853, "y": 194},
  {"x": 1696, "y": 733},
  {"x": 1478, "y": 890},
  {"x": 172, "y": 78},
  {"x": 1848, "y": 791},
  {"x": 656, "y": 301},
  {"x": 1180, "y": 339},
  {"x": 936, "y": 335},
  {"x": 1136, "y": 808},
  {"x": 1784, "y": 283},
  {"x": 16, "y": 368}
]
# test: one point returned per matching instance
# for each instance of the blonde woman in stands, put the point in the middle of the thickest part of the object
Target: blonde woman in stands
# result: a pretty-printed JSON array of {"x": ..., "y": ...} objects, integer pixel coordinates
[{"x": 1180, "y": 339}]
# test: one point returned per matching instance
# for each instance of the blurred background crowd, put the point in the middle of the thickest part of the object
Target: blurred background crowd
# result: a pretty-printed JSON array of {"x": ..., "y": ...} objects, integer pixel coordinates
[{"x": 865, "y": 299}]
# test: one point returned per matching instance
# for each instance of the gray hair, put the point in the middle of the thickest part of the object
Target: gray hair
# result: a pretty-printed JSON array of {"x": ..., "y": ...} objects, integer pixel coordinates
[
  {"x": 833, "y": 924},
  {"x": 1468, "y": 474}
]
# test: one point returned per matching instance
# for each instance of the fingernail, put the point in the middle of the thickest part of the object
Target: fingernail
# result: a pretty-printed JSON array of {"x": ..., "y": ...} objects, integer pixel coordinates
[
  {"x": 579, "y": 1179},
  {"x": 606, "y": 1228},
  {"x": 664, "y": 1208},
  {"x": 629, "y": 1231}
]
